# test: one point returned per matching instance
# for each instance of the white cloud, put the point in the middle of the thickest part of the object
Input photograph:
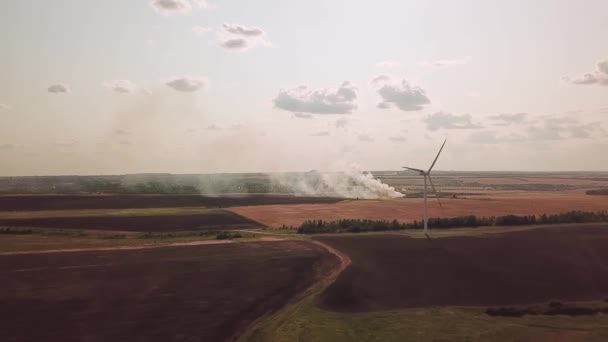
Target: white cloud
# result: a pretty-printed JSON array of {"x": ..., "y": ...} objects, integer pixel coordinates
[
  {"x": 59, "y": 88},
  {"x": 550, "y": 128},
  {"x": 242, "y": 30},
  {"x": 203, "y": 4},
  {"x": 365, "y": 138},
  {"x": 342, "y": 123},
  {"x": 320, "y": 134},
  {"x": 599, "y": 76},
  {"x": 389, "y": 64},
  {"x": 398, "y": 138},
  {"x": 201, "y": 29},
  {"x": 494, "y": 137},
  {"x": 302, "y": 115},
  {"x": 381, "y": 79},
  {"x": 446, "y": 62},
  {"x": 447, "y": 120},
  {"x": 240, "y": 37},
  {"x": 401, "y": 94},
  {"x": 554, "y": 128},
  {"x": 319, "y": 101},
  {"x": 507, "y": 119},
  {"x": 169, "y": 7},
  {"x": 187, "y": 83},
  {"x": 120, "y": 86}
]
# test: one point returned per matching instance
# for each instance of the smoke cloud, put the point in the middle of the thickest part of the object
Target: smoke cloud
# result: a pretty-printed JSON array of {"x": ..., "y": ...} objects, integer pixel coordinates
[{"x": 351, "y": 182}]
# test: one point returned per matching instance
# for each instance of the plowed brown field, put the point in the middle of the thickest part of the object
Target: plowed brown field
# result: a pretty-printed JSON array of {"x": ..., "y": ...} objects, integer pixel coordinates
[
  {"x": 393, "y": 271},
  {"x": 188, "y": 293},
  {"x": 410, "y": 209},
  {"x": 78, "y": 202},
  {"x": 207, "y": 220}
]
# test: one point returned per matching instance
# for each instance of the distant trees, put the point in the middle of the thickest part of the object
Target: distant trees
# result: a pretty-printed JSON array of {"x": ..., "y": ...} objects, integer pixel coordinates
[
  {"x": 600, "y": 192},
  {"x": 358, "y": 226}
]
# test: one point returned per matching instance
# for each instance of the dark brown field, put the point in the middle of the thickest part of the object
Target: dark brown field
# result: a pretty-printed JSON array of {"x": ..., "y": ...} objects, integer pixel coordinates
[
  {"x": 198, "y": 293},
  {"x": 217, "y": 219},
  {"x": 392, "y": 271},
  {"x": 77, "y": 202}
]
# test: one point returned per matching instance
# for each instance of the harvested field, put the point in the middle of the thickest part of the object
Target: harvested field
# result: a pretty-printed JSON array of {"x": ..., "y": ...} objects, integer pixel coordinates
[
  {"x": 410, "y": 209},
  {"x": 189, "y": 293},
  {"x": 207, "y": 220},
  {"x": 76, "y": 202},
  {"x": 392, "y": 271}
]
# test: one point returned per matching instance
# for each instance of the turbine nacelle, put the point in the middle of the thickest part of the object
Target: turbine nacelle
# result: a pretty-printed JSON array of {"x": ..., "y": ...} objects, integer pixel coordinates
[{"x": 427, "y": 175}]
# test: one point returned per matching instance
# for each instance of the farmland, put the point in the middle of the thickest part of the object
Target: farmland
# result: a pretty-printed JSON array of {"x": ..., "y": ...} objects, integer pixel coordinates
[
  {"x": 391, "y": 271},
  {"x": 402, "y": 288},
  {"x": 410, "y": 209},
  {"x": 175, "y": 266},
  {"x": 174, "y": 293},
  {"x": 203, "y": 220},
  {"x": 130, "y": 201}
]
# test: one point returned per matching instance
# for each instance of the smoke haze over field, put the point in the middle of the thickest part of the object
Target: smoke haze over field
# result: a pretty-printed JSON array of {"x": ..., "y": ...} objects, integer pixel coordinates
[{"x": 351, "y": 182}]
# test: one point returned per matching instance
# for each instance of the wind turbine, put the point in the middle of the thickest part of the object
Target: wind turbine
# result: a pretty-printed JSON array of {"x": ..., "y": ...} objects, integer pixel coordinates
[{"x": 427, "y": 174}]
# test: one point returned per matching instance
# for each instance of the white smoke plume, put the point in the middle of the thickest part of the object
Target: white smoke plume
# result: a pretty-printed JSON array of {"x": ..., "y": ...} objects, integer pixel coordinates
[{"x": 351, "y": 182}]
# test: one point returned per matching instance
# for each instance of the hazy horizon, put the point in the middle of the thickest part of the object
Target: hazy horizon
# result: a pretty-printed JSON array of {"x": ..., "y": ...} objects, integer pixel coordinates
[{"x": 218, "y": 86}]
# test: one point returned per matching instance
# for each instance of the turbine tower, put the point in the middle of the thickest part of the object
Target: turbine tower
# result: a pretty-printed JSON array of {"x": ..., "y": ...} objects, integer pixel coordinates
[{"x": 427, "y": 174}]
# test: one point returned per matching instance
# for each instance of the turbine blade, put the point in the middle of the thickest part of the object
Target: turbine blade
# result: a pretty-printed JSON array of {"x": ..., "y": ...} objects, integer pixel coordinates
[
  {"x": 435, "y": 191},
  {"x": 437, "y": 157},
  {"x": 413, "y": 169}
]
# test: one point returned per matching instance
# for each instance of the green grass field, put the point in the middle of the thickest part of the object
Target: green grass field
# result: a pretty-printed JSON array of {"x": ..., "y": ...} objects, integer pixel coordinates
[{"x": 302, "y": 320}]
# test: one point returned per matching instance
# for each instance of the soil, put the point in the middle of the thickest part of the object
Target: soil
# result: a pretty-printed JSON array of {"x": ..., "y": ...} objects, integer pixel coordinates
[
  {"x": 216, "y": 220},
  {"x": 524, "y": 267},
  {"x": 74, "y": 202},
  {"x": 186, "y": 293},
  {"x": 410, "y": 209}
]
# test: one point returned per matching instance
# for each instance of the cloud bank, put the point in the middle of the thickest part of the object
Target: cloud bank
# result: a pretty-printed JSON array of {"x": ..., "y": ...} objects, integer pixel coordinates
[
  {"x": 318, "y": 101},
  {"x": 187, "y": 83},
  {"x": 239, "y": 37},
  {"x": 508, "y": 119},
  {"x": 121, "y": 86},
  {"x": 445, "y": 120},
  {"x": 446, "y": 62},
  {"x": 59, "y": 88},
  {"x": 400, "y": 94},
  {"x": 170, "y": 7},
  {"x": 597, "y": 77}
]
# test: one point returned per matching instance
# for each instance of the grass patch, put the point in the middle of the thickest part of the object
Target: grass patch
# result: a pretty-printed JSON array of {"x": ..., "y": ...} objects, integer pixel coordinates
[{"x": 304, "y": 321}]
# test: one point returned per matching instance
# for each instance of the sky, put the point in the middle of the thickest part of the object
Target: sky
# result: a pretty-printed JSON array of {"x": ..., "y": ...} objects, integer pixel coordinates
[{"x": 195, "y": 86}]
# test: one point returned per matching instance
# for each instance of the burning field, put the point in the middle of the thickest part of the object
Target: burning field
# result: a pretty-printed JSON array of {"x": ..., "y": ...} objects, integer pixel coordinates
[
  {"x": 391, "y": 271},
  {"x": 208, "y": 293}
]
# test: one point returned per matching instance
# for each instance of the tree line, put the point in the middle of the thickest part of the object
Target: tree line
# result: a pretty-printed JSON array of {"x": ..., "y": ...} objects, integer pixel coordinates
[{"x": 469, "y": 221}]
